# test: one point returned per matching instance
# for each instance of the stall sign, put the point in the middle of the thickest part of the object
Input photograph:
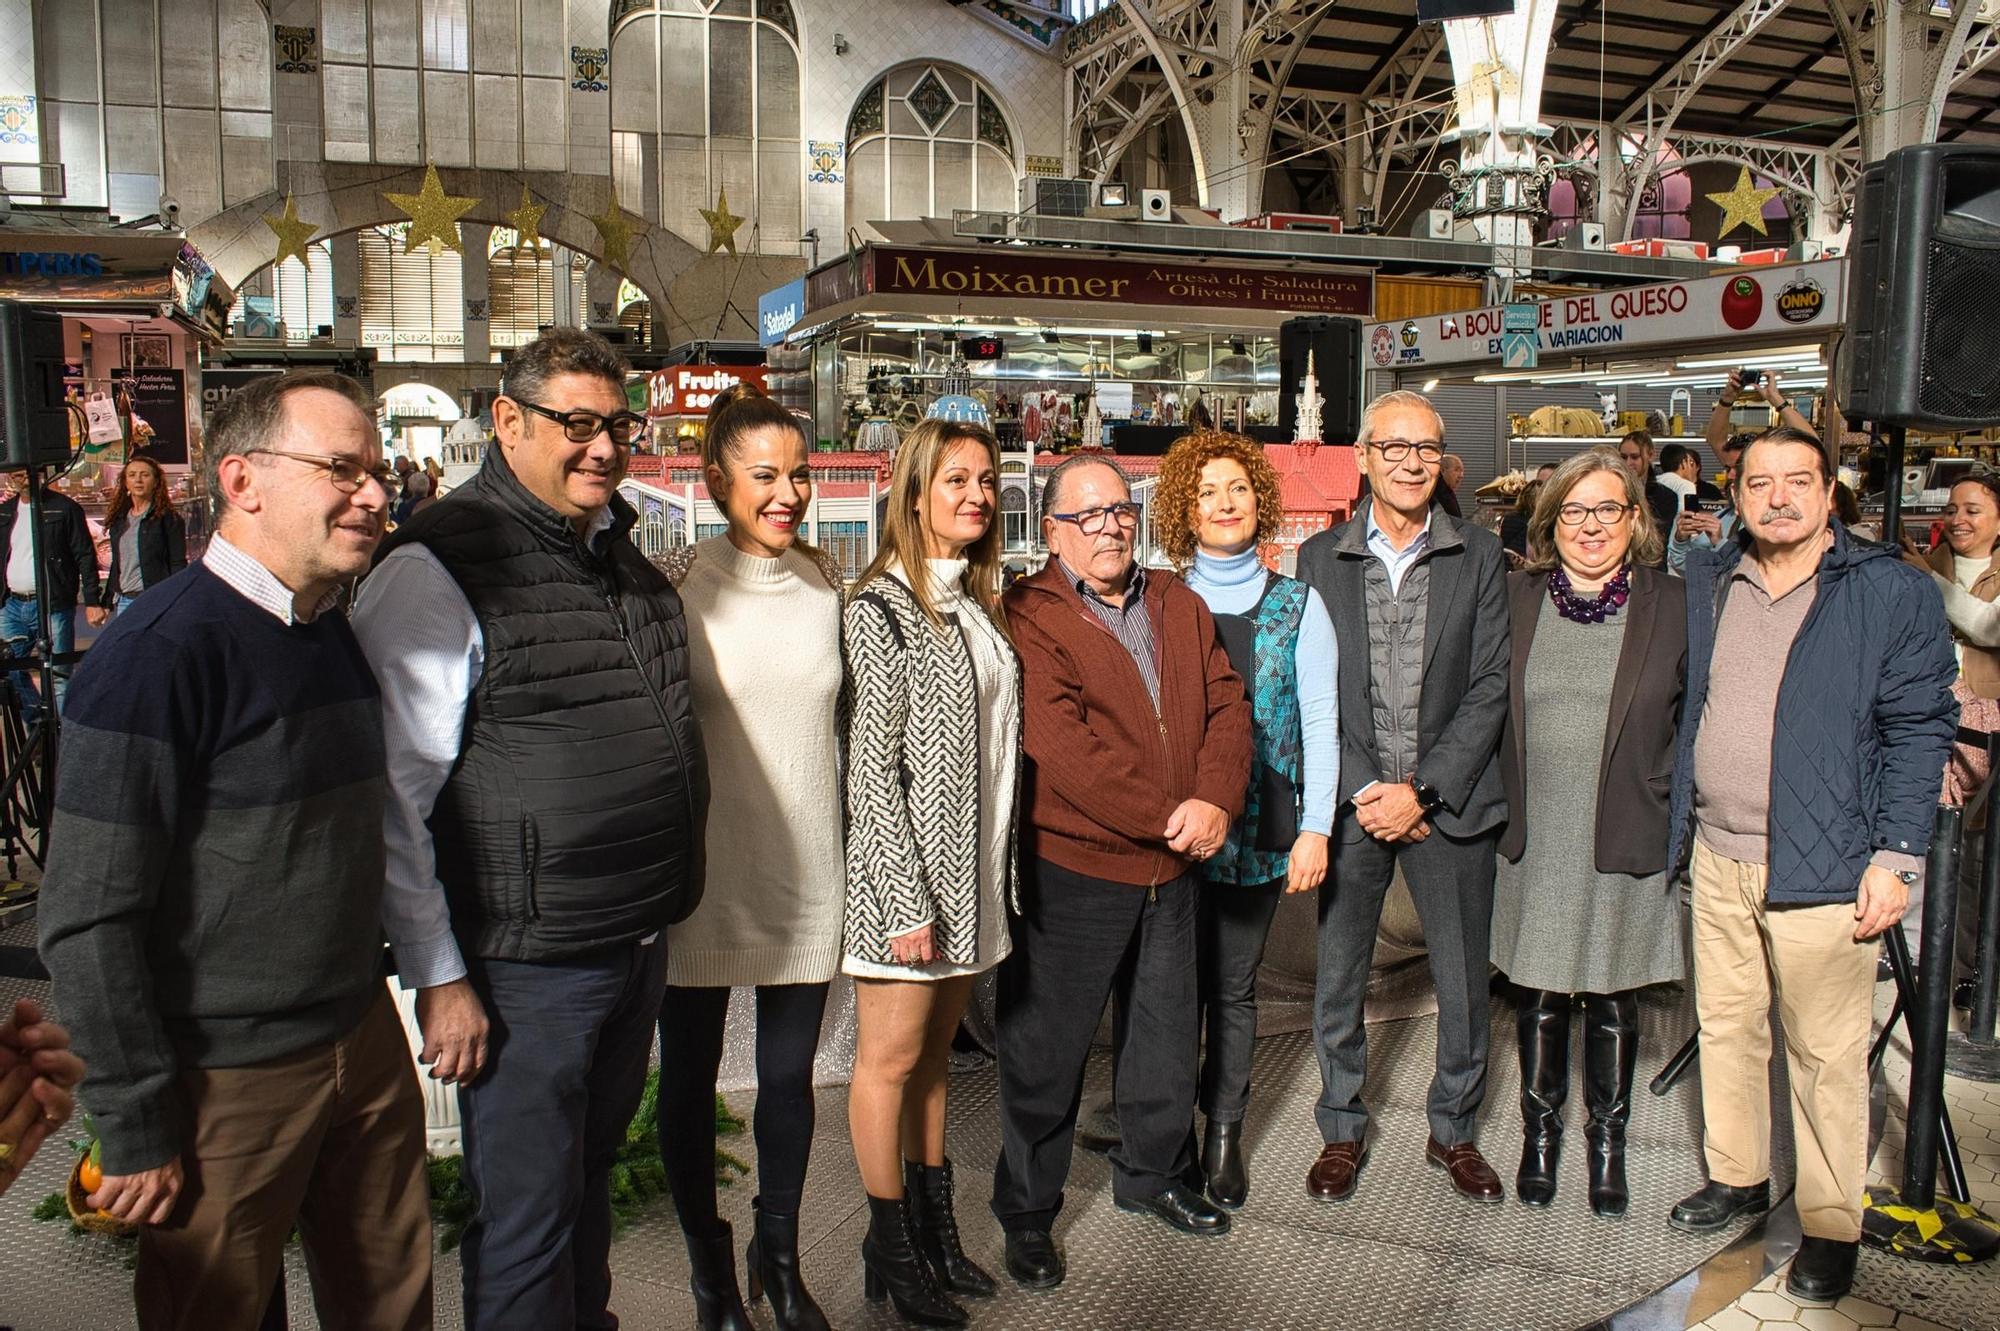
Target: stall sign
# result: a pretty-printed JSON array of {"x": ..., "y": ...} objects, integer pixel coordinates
[
  {"x": 690, "y": 390},
  {"x": 1016, "y": 275},
  {"x": 778, "y": 310},
  {"x": 1804, "y": 297},
  {"x": 159, "y": 398},
  {"x": 219, "y": 385}
]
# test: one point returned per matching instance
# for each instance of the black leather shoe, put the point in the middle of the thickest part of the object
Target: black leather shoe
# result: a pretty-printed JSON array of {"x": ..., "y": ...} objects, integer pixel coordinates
[
  {"x": 1183, "y": 1208},
  {"x": 1033, "y": 1259},
  {"x": 1222, "y": 1164},
  {"x": 1823, "y": 1270},
  {"x": 1717, "y": 1205}
]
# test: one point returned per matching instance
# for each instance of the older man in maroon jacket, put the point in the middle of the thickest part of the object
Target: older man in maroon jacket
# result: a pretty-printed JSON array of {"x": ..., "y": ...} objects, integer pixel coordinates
[{"x": 1138, "y": 739}]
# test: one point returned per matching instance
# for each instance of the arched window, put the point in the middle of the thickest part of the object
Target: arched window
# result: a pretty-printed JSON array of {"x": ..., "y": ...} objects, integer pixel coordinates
[
  {"x": 301, "y": 297},
  {"x": 521, "y": 285},
  {"x": 925, "y": 139},
  {"x": 635, "y": 312},
  {"x": 705, "y": 100},
  {"x": 412, "y": 306}
]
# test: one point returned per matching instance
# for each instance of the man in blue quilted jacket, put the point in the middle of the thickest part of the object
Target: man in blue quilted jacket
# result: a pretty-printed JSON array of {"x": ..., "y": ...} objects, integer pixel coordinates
[{"x": 1818, "y": 716}]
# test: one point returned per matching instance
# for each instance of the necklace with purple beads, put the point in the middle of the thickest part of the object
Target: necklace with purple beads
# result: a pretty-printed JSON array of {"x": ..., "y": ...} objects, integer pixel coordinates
[{"x": 1588, "y": 609}]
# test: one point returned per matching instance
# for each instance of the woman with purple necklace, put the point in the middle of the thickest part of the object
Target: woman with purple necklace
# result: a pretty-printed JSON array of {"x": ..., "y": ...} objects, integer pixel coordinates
[{"x": 1583, "y": 905}]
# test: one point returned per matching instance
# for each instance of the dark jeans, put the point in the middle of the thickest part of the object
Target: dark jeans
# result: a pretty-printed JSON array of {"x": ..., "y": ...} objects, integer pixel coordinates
[
  {"x": 1451, "y": 882},
  {"x": 1235, "y": 922},
  {"x": 691, "y": 1025},
  {"x": 1078, "y": 941},
  {"x": 543, "y": 1124},
  {"x": 21, "y": 627}
]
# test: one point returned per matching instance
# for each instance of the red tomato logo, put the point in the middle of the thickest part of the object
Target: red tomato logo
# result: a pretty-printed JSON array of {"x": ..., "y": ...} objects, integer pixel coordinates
[{"x": 1742, "y": 302}]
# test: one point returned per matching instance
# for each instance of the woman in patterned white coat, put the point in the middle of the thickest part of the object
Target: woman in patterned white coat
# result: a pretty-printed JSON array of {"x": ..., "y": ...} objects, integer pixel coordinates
[{"x": 933, "y": 761}]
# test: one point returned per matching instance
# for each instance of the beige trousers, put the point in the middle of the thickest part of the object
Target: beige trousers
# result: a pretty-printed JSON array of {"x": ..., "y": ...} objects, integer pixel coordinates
[
  {"x": 1825, "y": 983},
  {"x": 331, "y": 1138}
]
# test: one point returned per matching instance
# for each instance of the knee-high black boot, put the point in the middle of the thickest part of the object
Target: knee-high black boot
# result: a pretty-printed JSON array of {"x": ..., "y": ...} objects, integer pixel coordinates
[
  {"x": 773, "y": 1264},
  {"x": 718, "y": 1303},
  {"x": 1542, "y": 1017},
  {"x": 1610, "y": 1054}
]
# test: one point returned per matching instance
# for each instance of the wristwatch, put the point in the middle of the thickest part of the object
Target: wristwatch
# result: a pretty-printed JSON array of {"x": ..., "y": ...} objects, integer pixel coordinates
[
  {"x": 1427, "y": 795},
  {"x": 1909, "y": 876}
]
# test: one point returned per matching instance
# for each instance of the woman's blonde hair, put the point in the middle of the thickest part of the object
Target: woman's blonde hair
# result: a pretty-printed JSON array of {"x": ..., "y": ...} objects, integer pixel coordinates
[
  {"x": 1646, "y": 541},
  {"x": 1180, "y": 484},
  {"x": 919, "y": 458}
]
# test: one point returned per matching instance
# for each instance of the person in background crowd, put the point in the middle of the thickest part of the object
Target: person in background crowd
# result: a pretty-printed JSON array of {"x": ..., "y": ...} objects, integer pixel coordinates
[
  {"x": 1583, "y": 904},
  {"x": 764, "y": 641},
  {"x": 1546, "y": 470},
  {"x": 1217, "y": 504},
  {"x": 933, "y": 771},
  {"x": 1635, "y": 450},
  {"x": 1803, "y": 852},
  {"x": 38, "y": 1077},
  {"x": 417, "y": 496},
  {"x": 1968, "y": 578},
  {"x": 1420, "y": 612},
  {"x": 1449, "y": 475},
  {"x": 69, "y": 566},
  {"x": 435, "y": 470},
  {"x": 1514, "y": 527},
  {"x": 547, "y": 795},
  {"x": 1680, "y": 475},
  {"x": 148, "y": 538},
  {"x": 1137, "y": 734},
  {"x": 223, "y": 975},
  {"x": 1847, "y": 507},
  {"x": 1724, "y": 440}
]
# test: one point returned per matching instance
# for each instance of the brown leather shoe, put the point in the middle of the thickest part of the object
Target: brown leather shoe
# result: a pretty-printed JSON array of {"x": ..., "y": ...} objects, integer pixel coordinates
[
  {"x": 1331, "y": 1179},
  {"x": 1470, "y": 1173}
]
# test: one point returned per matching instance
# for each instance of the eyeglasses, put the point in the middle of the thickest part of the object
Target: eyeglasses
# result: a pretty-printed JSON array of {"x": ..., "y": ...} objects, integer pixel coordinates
[
  {"x": 1430, "y": 452},
  {"x": 580, "y": 427},
  {"x": 1091, "y": 520},
  {"x": 1607, "y": 514},
  {"x": 346, "y": 474}
]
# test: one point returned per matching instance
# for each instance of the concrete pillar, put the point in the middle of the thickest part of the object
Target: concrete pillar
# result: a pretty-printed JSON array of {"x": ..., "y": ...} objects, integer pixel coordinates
[
  {"x": 568, "y": 302},
  {"x": 477, "y": 284},
  {"x": 346, "y": 250}
]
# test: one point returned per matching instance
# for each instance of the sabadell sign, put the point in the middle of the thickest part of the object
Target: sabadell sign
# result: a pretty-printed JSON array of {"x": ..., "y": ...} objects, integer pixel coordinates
[{"x": 1807, "y": 298}]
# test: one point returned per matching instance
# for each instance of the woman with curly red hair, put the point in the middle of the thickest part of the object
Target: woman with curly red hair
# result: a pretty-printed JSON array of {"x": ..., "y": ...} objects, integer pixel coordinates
[{"x": 1217, "y": 503}]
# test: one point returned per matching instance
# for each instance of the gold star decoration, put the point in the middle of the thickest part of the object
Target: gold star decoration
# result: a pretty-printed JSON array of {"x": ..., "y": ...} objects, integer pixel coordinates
[
  {"x": 527, "y": 221},
  {"x": 433, "y": 215},
  {"x": 615, "y": 226},
  {"x": 722, "y": 223},
  {"x": 292, "y": 233},
  {"x": 1744, "y": 204}
]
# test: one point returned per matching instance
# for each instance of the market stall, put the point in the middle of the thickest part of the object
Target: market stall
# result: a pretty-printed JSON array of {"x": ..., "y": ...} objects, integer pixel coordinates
[{"x": 1534, "y": 382}]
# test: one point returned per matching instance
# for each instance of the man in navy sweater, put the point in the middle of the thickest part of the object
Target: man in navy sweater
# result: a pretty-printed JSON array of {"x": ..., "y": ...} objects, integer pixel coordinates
[{"x": 211, "y": 911}]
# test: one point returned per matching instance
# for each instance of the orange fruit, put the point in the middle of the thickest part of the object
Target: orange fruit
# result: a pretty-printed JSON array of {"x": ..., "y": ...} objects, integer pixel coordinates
[{"x": 89, "y": 1176}]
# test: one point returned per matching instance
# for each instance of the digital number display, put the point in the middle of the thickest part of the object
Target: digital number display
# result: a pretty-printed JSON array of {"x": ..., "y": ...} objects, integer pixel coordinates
[{"x": 982, "y": 348}]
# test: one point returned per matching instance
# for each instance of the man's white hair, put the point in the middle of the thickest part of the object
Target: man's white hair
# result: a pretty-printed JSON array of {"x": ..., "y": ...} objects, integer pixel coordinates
[{"x": 1399, "y": 397}]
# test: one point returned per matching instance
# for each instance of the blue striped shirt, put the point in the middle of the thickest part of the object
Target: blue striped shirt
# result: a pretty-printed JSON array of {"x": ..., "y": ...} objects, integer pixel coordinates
[{"x": 1132, "y": 623}]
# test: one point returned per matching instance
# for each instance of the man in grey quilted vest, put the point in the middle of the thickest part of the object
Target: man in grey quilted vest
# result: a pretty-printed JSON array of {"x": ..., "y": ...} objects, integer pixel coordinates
[
  {"x": 1815, "y": 726},
  {"x": 1419, "y": 610}
]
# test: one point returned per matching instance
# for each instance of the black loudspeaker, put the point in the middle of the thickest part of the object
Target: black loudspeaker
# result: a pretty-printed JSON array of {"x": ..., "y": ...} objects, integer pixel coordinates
[
  {"x": 1335, "y": 343},
  {"x": 1435, "y": 11},
  {"x": 1923, "y": 285},
  {"x": 33, "y": 413}
]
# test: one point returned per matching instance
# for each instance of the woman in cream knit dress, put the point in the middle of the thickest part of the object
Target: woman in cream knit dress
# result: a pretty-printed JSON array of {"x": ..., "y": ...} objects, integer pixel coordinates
[{"x": 763, "y": 617}]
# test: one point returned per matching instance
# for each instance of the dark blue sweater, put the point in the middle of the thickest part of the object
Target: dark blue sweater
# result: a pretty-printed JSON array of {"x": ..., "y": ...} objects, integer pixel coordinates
[{"x": 216, "y": 864}]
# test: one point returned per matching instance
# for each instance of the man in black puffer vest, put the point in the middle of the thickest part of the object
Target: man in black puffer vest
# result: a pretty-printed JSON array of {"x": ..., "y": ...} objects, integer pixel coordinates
[{"x": 547, "y": 793}]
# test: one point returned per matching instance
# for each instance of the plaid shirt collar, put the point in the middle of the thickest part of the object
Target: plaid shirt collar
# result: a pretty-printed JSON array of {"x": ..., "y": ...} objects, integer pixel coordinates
[{"x": 258, "y": 584}]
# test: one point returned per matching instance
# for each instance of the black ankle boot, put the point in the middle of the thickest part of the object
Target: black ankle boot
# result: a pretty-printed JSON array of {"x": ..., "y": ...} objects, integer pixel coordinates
[
  {"x": 1222, "y": 1164},
  {"x": 895, "y": 1268},
  {"x": 718, "y": 1305},
  {"x": 773, "y": 1266},
  {"x": 1542, "y": 1019},
  {"x": 1610, "y": 1054},
  {"x": 929, "y": 1189}
]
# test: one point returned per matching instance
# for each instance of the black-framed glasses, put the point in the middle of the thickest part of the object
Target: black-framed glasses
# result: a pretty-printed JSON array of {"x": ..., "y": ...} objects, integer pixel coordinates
[
  {"x": 1607, "y": 514},
  {"x": 580, "y": 427},
  {"x": 347, "y": 474},
  {"x": 1430, "y": 452},
  {"x": 1090, "y": 521}
]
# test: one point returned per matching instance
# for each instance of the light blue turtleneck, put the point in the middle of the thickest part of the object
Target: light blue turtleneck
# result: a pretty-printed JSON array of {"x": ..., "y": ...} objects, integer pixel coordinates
[{"x": 1230, "y": 585}]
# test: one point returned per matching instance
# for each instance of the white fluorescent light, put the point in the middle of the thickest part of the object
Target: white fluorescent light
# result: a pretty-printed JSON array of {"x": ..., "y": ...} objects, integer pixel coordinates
[
  {"x": 1768, "y": 356},
  {"x": 1430, "y": 385}
]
